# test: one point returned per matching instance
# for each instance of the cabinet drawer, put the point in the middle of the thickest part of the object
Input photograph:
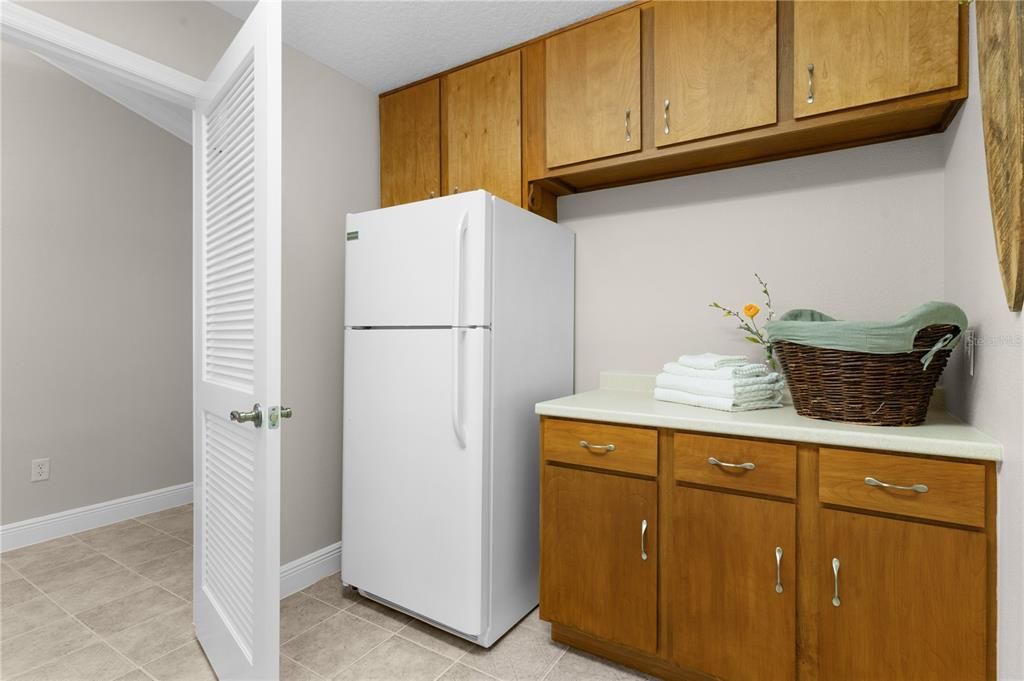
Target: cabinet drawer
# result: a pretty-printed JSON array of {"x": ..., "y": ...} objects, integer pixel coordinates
[
  {"x": 745, "y": 465},
  {"x": 601, "y": 445},
  {"x": 955, "y": 491}
]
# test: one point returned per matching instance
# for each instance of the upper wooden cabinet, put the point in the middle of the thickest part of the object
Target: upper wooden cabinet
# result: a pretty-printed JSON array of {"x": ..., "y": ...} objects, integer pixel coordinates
[
  {"x": 410, "y": 144},
  {"x": 482, "y": 128},
  {"x": 593, "y": 90},
  {"x": 714, "y": 68},
  {"x": 903, "y": 600},
  {"x": 851, "y": 53}
]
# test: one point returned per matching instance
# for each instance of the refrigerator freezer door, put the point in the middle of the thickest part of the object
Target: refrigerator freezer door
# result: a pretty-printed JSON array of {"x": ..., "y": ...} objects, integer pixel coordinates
[
  {"x": 420, "y": 264},
  {"x": 413, "y": 469}
]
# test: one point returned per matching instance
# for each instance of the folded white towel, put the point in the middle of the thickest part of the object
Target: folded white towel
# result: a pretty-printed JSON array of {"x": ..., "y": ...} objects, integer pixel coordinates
[
  {"x": 744, "y": 371},
  {"x": 719, "y": 403},
  {"x": 737, "y": 387},
  {"x": 710, "y": 360}
]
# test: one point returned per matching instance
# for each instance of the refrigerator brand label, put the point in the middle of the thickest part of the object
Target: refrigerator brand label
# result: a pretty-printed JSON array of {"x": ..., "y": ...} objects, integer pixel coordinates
[{"x": 351, "y": 236}]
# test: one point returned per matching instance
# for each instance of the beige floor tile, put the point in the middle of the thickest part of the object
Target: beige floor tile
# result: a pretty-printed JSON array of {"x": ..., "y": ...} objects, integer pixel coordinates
[
  {"x": 172, "y": 520},
  {"x": 17, "y": 591},
  {"x": 17, "y": 558},
  {"x": 460, "y": 672},
  {"x": 135, "y": 675},
  {"x": 155, "y": 637},
  {"x": 579, "y": 666},
  {"x": 335, "y": 643},
  {"x": 184, "y": 535},
  {"x": 293, "y": 671},
  {"x": 299, "y": 612},
  {"x": 168, "y": 565},
  {"x": 523, "y": 654},
  {"x": 381, "y": 615},
  {"x": 87, "y": 595},
  {"x": 33, "y": 564},
  {"x": 147, "y": 551},
  {"x": 187, "y": 663},
  {"x": 534, "y": 621},
  {"x": 330, "y": 590},
  {"x": 97, "y": 662},
  {"x": 397, "y": 660},
  {"x": 119, "y": 535},
  {"x": 179, "y": 584},
  {"x": 130, "y": 610},
  {"x": 433, "y": 638},
  {"x": 40, "y": 646},
  {"x": 7, "y": 572},
  {"x": 85, "y": 570},
  {"x": 24, "y": 617}
]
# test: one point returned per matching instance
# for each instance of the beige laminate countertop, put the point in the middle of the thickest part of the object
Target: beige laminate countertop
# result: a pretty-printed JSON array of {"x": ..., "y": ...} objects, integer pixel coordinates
[{"x": 628, "y": 399}]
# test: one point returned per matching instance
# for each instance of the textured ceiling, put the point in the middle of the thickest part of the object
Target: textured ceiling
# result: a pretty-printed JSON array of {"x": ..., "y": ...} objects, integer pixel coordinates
[{"x": 385, "y": 43}]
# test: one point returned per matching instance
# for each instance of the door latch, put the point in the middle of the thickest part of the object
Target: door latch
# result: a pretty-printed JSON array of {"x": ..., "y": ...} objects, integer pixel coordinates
[{"x": 278, "y": 413}]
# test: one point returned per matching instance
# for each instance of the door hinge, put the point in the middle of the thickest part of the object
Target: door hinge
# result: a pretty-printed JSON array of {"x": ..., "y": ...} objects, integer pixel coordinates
[{"x": 276, "y": 414}]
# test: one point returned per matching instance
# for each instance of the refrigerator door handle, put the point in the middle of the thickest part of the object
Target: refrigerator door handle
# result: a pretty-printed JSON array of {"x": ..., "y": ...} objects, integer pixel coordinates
[
  {"x": 460, "y": 236},
  {"x": 457, "y": 345}
]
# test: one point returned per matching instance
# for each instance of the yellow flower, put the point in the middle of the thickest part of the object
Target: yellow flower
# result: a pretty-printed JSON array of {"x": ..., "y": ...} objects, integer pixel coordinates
[{"x": 751, "y": 310}]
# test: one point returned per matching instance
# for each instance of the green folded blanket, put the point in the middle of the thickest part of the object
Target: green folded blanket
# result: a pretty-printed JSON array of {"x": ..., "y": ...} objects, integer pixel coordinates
[{"x": 810, "y": 327}]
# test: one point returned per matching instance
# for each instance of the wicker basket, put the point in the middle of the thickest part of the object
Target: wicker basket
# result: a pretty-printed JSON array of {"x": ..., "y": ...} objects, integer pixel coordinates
[{"x": 860, "y": 387}]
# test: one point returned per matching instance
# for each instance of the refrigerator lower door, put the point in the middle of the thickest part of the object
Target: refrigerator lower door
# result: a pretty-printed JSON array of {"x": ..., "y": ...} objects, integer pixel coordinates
[{"x": 414, "y": 469}]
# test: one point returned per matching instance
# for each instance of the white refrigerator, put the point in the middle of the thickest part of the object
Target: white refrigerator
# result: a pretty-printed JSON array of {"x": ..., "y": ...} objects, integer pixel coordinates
[{"x": 458, "y": 319}]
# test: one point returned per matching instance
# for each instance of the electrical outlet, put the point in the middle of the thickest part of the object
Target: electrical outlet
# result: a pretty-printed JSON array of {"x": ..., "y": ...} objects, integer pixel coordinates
[{"x": 40, "y": 470}]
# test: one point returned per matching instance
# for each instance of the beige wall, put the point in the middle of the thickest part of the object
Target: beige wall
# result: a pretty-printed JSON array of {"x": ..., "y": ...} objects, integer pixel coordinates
[
  {"x": 97, "y": 316},
  {"x": 854, "y": 233},
  {"x": 993, "y": 399},
  {"x": 69, "y": 142}
]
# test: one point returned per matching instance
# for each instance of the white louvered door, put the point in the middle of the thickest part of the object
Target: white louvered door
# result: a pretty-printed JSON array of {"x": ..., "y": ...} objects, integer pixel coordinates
[{"x": 237, "y": 352}]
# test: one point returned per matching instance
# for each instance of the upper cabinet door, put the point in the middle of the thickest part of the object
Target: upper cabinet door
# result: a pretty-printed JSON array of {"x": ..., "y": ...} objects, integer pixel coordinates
[
  {"x": 593, "y": 90},
  {"x": 482, "y": 111},
  {"x": 848, "y": 54},
  {"x": 410, "y": 144},
  {"x": 714, "y": 68}
]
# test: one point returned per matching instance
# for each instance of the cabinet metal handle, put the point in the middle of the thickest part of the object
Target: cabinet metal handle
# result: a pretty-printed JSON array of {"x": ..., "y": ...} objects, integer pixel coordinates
[
  {"x": 778, "y": 569},
  {"x": 529, "y": 197},
  {"x": 629, "y": 136},
  {"x": 643, "y": 539},
  {"x": 810, "y": 83},
  {"x": 666, "y": 116},
  {"x": 873, "y": 482},
  {"x": 255, "y": 417},
  {"x": 604, "y": 449},
  {"x": 745, "y": 466},
  {"x": 835, "y": 590},
  {"x": 431, "y": 194},
  {"x": 456, "y": 189}
]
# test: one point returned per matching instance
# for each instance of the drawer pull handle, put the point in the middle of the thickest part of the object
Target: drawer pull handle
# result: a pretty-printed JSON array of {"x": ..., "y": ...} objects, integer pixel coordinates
[
  {"x": 666, "y": 117},
  {"x": 835, "y": 590},
  {"x": 597, "y": 449},
  {"x": 643, "y": 539},
  {"x": 745, "y": 466},
  {"x": 873, "y": 482},
  {"x": 629, "y": 135},
  {"x": 778, "y": 569},
  {"x": 810, "y": 83}
]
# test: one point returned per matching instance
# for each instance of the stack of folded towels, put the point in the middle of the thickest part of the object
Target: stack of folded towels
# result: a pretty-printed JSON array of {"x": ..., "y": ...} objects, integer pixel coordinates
[{"x": 725, "y": 382}]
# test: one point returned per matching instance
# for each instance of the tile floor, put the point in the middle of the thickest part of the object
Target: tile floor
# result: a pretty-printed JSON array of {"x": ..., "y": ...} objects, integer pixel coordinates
[{"x": 114, "y": 603}]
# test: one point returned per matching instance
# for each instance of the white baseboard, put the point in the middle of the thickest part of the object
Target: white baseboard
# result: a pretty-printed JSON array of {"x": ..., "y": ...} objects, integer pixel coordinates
[
  {"x": 35, "y": 530},
  {"x": 310, "y": 569}
]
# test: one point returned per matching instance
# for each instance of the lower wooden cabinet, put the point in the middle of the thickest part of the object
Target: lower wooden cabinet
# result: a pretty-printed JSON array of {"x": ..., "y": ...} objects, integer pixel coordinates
[
  {"x": 599, "y": 565},
  {"x": 732, "y": 585},
  {"x": 903, "y": 600},
  {"x": 774, "y": 563}
]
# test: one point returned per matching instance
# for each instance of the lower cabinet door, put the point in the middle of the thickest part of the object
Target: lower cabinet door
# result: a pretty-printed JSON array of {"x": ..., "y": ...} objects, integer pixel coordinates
[
  {"x": 900, "y": 600},
  {"x": 599, "y": 555},
  {"x": 732, "y": 585}
]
